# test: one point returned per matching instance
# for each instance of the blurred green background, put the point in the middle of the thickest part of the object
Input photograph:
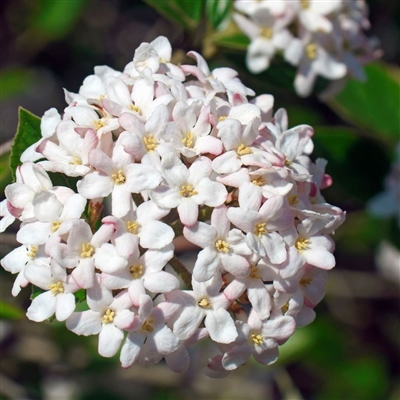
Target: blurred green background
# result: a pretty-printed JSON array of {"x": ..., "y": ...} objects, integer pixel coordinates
[{"x": 352, "y": 350}]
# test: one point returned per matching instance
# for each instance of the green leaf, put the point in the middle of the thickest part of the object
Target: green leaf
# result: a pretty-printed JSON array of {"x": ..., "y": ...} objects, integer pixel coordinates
[
  {"x": 56, "y": 18},
  {"x": 28, "y": 133},
  {"x": 218, "y": 11},
  {"x": 5, "y": 171},
  {"x": 237, "y": 41},
  {"x": 186, "y": 13},
  {"x": 8, "y": 311},
  {"x": 14, "y": 81},
  {"x": 373, "y": 105},
  {"x": 356, "y": 164}
]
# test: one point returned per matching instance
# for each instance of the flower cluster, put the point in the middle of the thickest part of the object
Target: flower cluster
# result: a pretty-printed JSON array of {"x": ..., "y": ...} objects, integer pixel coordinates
[
  {"x": 168, "y": 158},
  {"x": 323, "y": 38}
]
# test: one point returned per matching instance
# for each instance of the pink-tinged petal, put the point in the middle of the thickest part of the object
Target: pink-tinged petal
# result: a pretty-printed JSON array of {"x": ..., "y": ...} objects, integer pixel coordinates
[
  {"x": 155, "y": 260},
  {"x": 236, "y": 265},
  {"x": 65, "y": 306},
  {"x": 102, "y": 235},
  {"x": 259, "y": 299},
  {"x": 279, "y": 329},
  {"x": 124, "y": 319},
  {"x": 83, "y": 274},
  {"x": 155, "y": 235},
  {"x": 46, "y": 207},
  {"x": 42, "y": 307},
  {"x": 20, "y": 282},
  {"x": 141, "y": 177},
  {"x": 207, "y": 265},
  {"x": 34, "y": 233},
  {"x": 95, "y": 185},
  {"x": 131, "y": 348},
  {"x": 120, "y": 201},
  {"x": 98, "y": 297},
  {"x": 305, "y": 79},
  {"x": 178, "y": 361},
  {"x": 166, "y": 197},
  {"x": 161, "y": 282},
  {"x": 118, "y": 91},
  {"x": 188, "y": 211},
  {"x": 200, "y": 169},
  {"x": 320, "y": 257},
  {"x": 315, "y": 291},
  {"x": 110, "y": 339},
  {"x": 201, "y": 234},
  {"x": 18, "y": 194},
  {"x": 305, "y": 316},
  {"x": 293, "y": 263},
  {"x": 250, "y": 196},
  {"x": 15, "y": 261},
  {"x": 209, "y": 144},
  {"x": 244, "y": 219},
  {"x": 108, "y": 260},
  {"x": 211, "y": 193},
  {"x": 219, "y": 221},
  {"x": 165, "y": 341},
  {"x": 227, "y": 163},
  {"x": 237, "y": 356},
  {"x": 267, "y": 353},
  {"x": 220, "y": 326},
  {"x": 187, "y": 323},
  {"x": 39, "y": 275},
  {"x": 136, "y": 289},
  {"x": 117, "y": 280},
  {"x": 275, "y": 247},
  {"x": 234, "y": 290}
]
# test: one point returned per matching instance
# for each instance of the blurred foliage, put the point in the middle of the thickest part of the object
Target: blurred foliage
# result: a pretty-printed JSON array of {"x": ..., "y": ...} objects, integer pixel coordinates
[{"x": 5, "y": 171}]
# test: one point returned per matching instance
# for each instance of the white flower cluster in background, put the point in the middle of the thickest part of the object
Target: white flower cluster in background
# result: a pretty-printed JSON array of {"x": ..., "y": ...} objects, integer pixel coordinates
[
  {"x": 319, "y": 37},
  {"x": 178, "y": 158}
]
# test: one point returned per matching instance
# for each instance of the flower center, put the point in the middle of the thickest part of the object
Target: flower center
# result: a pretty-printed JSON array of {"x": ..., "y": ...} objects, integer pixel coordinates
[
  {"x": 108, "y": 316},
  {"x": 76, "y": 161},
  {"x": 293, "y": 200},
  {"x": 150, "y": 143},
  {"x": 222, "y": 246},
  {"x": 204, "y": 303},
  {"x": 311, "y": 51},
  {"x": 188, "y": 141},
  {"x": 243, "y": 150},
  {"x": 187, "y": 191},
  {"x": 32, "y": 252},
  {"x": 302, "y": 244},
  {"x": 259, "y": 229},
  {"x": 55, "y": 225},
  {"x": 257, "y": 338},
  {"x": 100, "y": 123},
  {"x": 305, "y": 4},
  {"x": 135, "y": 109},
  {"x": 266, "y": 33},
  {"x": 136, "y": 271},
  {"x": 133, "y": 227},
  {"x": 305, "y": 281},
  {"x": 56, "y": 288},
  {"x": 119, "y": 177},
  {"x": 254, "y": 272},
  {"x": 222, "y": 118},
  {"x": 87, "y": 250},
  {"x": 148, "y": 325},
  {"x": 285, "y": 307},
  {"x": 258, "y": 181}
]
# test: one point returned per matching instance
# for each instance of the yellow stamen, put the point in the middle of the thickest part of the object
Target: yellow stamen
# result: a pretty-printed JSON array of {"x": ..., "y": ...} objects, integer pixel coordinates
[
  {"x": 254, "y": 272},
  {"x": 133, "y": 227},
  {"x": 32, "y": 252},
  {"x": 305, "y": 281},
  {"x": 287, "y": 163},
  {"x": 222, "y": 246},
  {"x": 258, "y": 181},
  {"x": 285, "y": 307},
  {"x": 222, "y": 118},
  {"x": 57, "y": 287},
  {"x": 257, "y": 338},
  {"x": 305, "y": 4},
  {"x": 135, "y": 109},
  {"x": 55, "y": 225},
  {"x": 136, "y": 271},
  {"x": 76, "y": 161},
  {"x": 266, "y": 33},
  {"x": 108, "y": 316},
  {"x": 87, "y": 250},
  {"x": 100, "y": 123},
  {"x": 119, "y": 177},
  {"x": 293, "y": 200},
  {"x": 243, "y": 150},
  {"x": 148, "y": 325},
  {"x": 302, "y": 244},
  {"x": 150, "y": 143},
  {"x": 204, "y": 303},
  {"x": 259, "y": 229},
  {"x": 188, "y": 140},
  {"x": 187, "y": 191},
  {"x": 312, "y": 51}
]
